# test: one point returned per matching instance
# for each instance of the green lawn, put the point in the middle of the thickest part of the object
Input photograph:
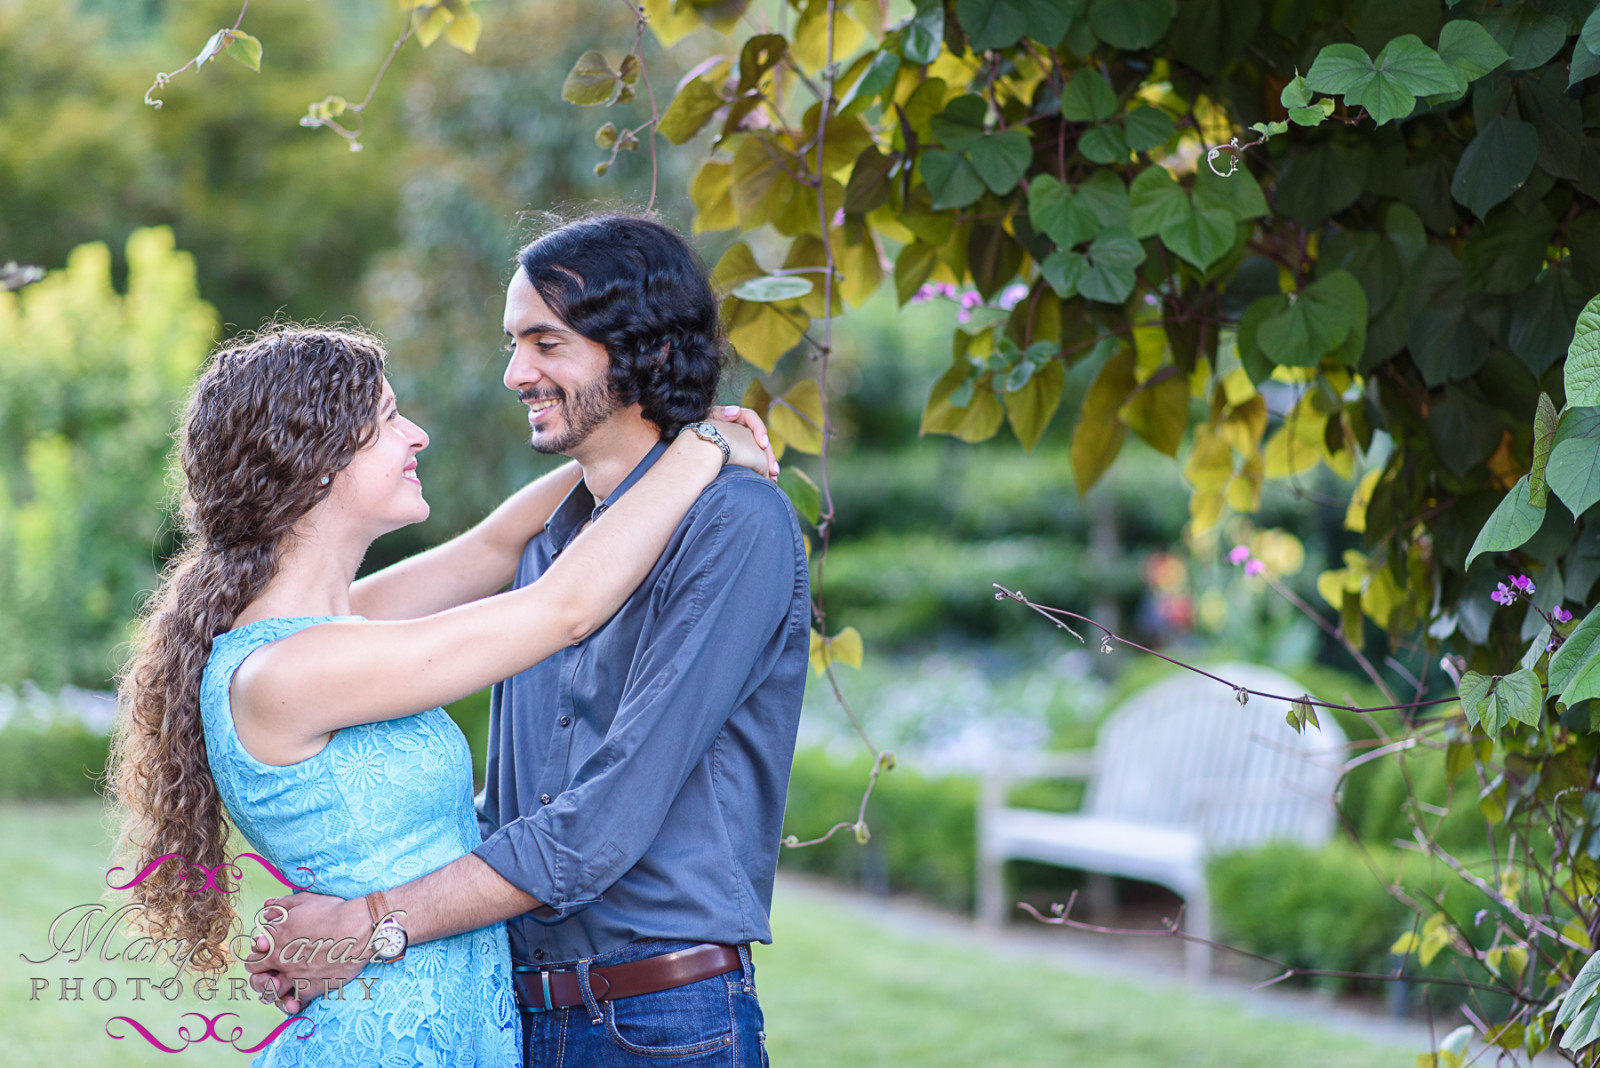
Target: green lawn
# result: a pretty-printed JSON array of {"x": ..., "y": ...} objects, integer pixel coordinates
[{"x": 838, "y": 991}]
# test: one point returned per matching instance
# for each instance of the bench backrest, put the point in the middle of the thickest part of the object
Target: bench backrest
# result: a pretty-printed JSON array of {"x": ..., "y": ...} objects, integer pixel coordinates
[{"x": 1185, "y": 753}]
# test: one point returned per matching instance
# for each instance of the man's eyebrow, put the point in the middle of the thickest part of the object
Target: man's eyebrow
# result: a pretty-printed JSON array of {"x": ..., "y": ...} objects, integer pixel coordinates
[{"x": 537, "y": 328}]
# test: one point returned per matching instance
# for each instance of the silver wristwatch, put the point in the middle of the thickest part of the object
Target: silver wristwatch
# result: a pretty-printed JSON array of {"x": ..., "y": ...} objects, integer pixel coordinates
[{"x": 706, "y": 432}]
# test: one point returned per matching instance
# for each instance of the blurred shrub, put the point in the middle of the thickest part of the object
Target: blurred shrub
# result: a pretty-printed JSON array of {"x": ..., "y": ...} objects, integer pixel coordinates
[
  {"x": 1330, "y": 908},
  {"x": 923, "y": 833},
  {"x": 1310, "y": 908},
  {"x": 91, "y": 382},
  {"x": 50, "y": 760}
]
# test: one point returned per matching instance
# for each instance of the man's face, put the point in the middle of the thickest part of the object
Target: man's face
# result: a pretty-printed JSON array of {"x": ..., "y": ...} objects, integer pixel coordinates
[{"x": 562, "y": 376}]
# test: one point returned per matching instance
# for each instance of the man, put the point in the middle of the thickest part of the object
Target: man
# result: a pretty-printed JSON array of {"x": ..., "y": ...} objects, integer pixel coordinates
[{"x": 636, "y": 781}]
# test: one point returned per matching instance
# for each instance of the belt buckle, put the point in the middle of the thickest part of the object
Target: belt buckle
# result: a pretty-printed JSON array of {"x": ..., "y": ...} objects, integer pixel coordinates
[{"x": 544, "y": 985}]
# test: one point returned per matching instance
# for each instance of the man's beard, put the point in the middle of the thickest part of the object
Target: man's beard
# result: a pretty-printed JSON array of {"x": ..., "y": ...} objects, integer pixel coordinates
[{"x": 581, "y": 412}]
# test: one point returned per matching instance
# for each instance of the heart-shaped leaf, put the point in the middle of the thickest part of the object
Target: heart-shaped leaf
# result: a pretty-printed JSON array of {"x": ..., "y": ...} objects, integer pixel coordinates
[{"x": 1513, "y": 522}]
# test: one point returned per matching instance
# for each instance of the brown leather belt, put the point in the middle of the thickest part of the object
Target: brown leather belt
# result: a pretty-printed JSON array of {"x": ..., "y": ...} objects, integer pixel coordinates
[{"x": 540, "y": 991}]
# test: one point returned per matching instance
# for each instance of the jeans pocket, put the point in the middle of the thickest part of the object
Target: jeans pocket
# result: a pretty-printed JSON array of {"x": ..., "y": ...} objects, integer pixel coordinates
[{"x": 681, "y": 1022}]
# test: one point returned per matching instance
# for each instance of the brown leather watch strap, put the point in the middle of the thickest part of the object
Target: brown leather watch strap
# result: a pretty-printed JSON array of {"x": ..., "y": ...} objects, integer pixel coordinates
[
  {"x": 560, "y": 989},
  {"x": 376, "y": 907}
]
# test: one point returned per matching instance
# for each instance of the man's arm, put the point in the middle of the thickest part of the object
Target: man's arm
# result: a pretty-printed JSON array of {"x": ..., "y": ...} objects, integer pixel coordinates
[{"x": 464, "y": 895}]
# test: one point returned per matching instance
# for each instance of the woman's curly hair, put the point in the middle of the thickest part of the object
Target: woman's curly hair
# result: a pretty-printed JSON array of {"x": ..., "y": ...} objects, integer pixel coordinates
[
  {"x": 267, "y": 418},
  {"x": 637, "y": 288}
]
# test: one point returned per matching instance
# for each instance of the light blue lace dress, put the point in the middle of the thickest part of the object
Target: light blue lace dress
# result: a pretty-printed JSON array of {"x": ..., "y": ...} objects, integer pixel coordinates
[{"x": 381, "y": 804}]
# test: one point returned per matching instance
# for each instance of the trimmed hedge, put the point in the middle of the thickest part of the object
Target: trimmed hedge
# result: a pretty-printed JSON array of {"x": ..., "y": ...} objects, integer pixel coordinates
[
  {"x": 923, "y": 835},
  {"x": 63, "y": 759}
]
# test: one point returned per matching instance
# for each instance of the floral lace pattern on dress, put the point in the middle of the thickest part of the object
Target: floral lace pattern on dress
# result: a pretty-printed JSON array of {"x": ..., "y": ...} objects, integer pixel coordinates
[{"x": 381, "y": 804}]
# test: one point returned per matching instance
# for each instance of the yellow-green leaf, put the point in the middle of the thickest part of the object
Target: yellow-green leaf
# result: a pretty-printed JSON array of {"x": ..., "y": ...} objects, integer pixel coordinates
[
  {"x": 1099, "y": 434},
  {"x": 798, "y": 416},
  {"x": 1296, "y": 446},
  {"x": 1210, "y": 463},
  {"x": 737, "y": 266},
  {"x": 1031, "y": 407},
  {"x": 591, "y": 80},
  {"x": 846, "y": 647},
  {"x": 1355, "y": 516},
  {"x": 712, "y": 194},
  {"x": 432, "y": 25},
  {"x": 762, "y": 333},
  {"x": 244, "y": 48},
  {"x": 671, "y": 21},
  {"x": 1159, "y": 413},
  {"x": 689, "y": 111},
  {"x": 463, "y": 32}
]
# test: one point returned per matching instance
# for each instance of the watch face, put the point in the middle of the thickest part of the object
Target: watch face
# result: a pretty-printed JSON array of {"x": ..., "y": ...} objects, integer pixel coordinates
[{"x": 389, "y": 940}]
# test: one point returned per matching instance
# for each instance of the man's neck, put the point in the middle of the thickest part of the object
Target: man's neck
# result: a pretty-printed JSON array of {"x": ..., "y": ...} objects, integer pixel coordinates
[{"x": 612, "y": 452}]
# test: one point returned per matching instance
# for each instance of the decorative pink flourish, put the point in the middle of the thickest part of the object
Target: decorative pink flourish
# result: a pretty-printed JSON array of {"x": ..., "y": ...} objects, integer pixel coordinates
[
  {"x": 231, "y": 867},
  {"x": 189, "y": 1038},
  {"x": 148, "y": 1037},
  {"x": 148, "y": 868},
  {"x": 278, "y": 875},
  {"x": 276, "y": 1031},
  {"x": 211, "y": 876}
]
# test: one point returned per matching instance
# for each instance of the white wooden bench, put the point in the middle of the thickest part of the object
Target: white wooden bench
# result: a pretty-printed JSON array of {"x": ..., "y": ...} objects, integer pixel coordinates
[{"x": 1180, "y": 771}]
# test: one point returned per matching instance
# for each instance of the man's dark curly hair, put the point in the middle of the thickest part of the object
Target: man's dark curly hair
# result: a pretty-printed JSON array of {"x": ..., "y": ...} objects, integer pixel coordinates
[{"x": 636, "y": 287}]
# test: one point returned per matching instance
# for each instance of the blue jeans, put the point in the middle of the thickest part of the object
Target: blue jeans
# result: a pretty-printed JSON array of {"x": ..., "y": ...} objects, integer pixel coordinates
[{"x": 714, "y": 1023}]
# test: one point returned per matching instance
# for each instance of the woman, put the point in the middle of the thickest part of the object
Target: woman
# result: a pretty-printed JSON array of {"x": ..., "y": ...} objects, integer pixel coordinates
[{"x": 259, "y": 687}]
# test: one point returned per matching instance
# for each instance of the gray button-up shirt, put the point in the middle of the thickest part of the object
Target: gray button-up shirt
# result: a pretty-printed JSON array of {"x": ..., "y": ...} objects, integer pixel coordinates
[{"x": 636, "y": 780}]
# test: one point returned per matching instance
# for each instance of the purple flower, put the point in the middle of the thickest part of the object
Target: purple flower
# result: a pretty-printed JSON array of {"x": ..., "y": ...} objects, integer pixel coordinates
[
  {"x": 925, "y": 294},
  {"x": 1559, "y": 614},
  {"x": 1013, "y": 296},
  {"x": 1238, "y": 554},
  {"x": 1254, "y": 568},
  {"x": 838, "y": 217},
  {"x": 963, "y": 316},
  {"x": 1523, "y": 583},
  {"x": 1502, "y": 595},
  {"x": 945, "y": 289},
  {"x": 970, "y": 299}
]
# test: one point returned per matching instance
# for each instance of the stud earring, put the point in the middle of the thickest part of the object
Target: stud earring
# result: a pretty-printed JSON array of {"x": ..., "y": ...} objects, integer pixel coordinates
[{"x": 325, "y": 480}]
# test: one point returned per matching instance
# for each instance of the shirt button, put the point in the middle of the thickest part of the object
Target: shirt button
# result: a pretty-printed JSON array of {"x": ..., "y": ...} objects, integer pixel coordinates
[
  {"x": 538, "y": 954},
  {"x": 544, "y": 799},
  {"x": 565, "y": 721}
]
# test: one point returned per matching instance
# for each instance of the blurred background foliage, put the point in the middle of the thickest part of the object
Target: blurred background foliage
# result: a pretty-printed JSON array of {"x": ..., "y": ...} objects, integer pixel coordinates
[
  {"x": 167, "y": 230},
  {"x": 413, "y": 237}
]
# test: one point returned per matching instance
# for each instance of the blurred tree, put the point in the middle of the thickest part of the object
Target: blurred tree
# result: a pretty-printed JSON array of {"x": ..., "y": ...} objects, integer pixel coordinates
[
  {"x": 283, "y": 220},
  {"x": 483, "y": 158},
  {"x": 91, "y": 382}
]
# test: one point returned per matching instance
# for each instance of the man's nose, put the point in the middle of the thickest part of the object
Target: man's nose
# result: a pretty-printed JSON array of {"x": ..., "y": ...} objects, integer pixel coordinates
[{"x": 521, "y": 372}]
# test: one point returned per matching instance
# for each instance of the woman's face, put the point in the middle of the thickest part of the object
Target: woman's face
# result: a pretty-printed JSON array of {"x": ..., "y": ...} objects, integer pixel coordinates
[{"x": 380, "y": 488}]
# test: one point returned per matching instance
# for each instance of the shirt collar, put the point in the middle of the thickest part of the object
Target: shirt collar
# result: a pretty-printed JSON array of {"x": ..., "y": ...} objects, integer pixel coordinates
[{"x": 579, "y": 505}]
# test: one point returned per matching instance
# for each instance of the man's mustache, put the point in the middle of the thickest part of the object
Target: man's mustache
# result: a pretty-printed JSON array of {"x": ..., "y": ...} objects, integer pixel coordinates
[{"x": 527, "y": 395}]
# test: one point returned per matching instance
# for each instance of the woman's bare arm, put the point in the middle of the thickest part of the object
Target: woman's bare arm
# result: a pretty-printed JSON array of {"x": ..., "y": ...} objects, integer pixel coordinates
[
  {"x": 289, "y": 696},
  {"x": 483, "y": 560},
  {"x": 472, "y": 565}
]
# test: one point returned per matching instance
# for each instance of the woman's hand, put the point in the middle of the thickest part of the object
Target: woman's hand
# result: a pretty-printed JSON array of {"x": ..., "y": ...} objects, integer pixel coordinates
[{"x": 746, "y": 436}]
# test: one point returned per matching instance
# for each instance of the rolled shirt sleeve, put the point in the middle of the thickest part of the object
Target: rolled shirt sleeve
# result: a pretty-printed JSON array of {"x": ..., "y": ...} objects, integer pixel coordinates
[{"x": 718, "y": 616}]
